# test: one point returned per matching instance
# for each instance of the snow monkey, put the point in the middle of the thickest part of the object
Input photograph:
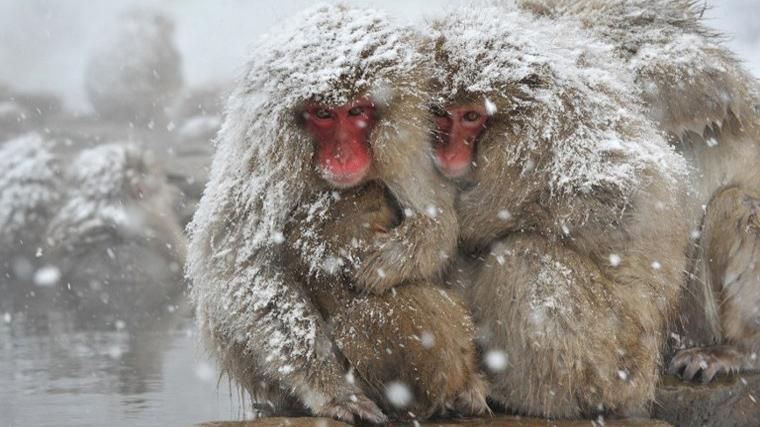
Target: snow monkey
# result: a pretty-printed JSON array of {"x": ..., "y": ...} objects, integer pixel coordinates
[
  {"x": 29, "y": 195},
  {"x": 569, "y": 212},
  {"x": 348, "y": 77},
  {"x": 415, "y": 340},
  {"x": 707, "y": 102},
  {"x": 116, "y": 239}
]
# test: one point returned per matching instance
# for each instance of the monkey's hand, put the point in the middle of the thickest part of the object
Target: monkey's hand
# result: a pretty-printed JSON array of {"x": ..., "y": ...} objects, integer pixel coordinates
[
  {"x": 349, "y": 406},
  {"x": 706, "y": 361},
  {"x": 418, "y": 249},
  {"x": 472, "y": 401}
]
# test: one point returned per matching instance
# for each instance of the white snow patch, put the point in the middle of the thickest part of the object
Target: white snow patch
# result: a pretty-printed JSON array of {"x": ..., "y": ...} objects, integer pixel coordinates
[
  {"x": 47, "y": 276},
  {"x": 205, "y": 372},
  {"x": 398, "y": 394},
  {"x": 615, "y": 260},
  {"x": 496, "y": 360}
]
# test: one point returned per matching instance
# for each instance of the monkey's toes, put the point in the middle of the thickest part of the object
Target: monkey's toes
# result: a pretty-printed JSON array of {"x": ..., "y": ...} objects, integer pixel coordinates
[
  {"x": 356, "y": 405},
  {"x": 472, "y": 401},
  {"x": 705, "y": 361}
]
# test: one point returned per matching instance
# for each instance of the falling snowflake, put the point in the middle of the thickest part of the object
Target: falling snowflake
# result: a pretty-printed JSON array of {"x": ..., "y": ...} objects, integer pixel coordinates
[
  {"x": 496, "y": 360},
  {"x": 615, "y": 260},
  {"x": 398, "y": 394}
]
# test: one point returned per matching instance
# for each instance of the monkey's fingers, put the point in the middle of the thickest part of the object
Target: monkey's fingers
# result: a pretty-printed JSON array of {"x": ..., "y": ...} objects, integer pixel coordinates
[
  {"x": 356, "y": 405},
  {"x": 707, "y": 362},
  {"x": 472, "y": 401},
  {"x": 379, "y": 228}
]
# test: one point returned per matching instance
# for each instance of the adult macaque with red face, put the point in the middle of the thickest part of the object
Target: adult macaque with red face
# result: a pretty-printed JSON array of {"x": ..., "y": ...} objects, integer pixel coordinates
[
  {"x": 571, "y": 228},
  {"x": 341, "y": 136},
  {"x": 329, "y": 107},
  {"x": 458, "y": 127}
]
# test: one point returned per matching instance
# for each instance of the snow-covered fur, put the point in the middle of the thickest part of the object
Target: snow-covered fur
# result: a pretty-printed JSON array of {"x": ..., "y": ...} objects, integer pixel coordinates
[
  {"x": 29, "y": 195},
  {"x": 135, "y": 71},
  {"x": 117, "y": 228},
  {"x": 573, "y": 212},
  {"x": 258, "y": 321},
  {"x": 708, "y": 102}
]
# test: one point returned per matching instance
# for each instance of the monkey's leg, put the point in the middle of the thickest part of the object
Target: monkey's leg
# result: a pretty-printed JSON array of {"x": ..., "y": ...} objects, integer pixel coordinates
[
  {"x": 557, "y": 338},
  {"x": 412, "y": 349},
  {"x": 267, "y": 347},
  {"x": 731, "y": 241}
]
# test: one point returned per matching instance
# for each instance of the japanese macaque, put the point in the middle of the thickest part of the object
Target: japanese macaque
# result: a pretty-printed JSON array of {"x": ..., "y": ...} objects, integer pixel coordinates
[
  {"x": 331, "y": 65},
  {"x": 707, "y": 102},
  {"x": 29, "y": 196},
  {"x": 115, "y": 241},
  {"x": 135, "y": 71},
  {"x": 570, "y": 212},
  {"x": 412, "y": 349}
]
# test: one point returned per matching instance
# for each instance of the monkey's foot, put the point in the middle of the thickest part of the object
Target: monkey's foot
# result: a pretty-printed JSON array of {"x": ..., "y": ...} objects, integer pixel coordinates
[
  {"x": 348, "y": 408},
  {"x": 706, "y": 361},
  {"x": 472, "y": 401}
]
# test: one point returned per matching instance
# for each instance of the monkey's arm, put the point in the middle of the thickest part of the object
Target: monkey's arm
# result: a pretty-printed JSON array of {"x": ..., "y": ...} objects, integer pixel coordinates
[
  {"x": 731, "y": 289},
  {"x": 419, "y": 248},
  {"x": 269, "y": 335}
]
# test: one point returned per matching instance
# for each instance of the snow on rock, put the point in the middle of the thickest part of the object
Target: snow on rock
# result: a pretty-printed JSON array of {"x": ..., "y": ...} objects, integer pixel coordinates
[
  {"x": 242, "y": 291},
  {"x": 568, "y": 82},
  {"x": 136, "y": 70}
]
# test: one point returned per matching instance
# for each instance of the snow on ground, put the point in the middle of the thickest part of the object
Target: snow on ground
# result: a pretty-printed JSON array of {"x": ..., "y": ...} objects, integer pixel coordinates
[{"x": 44, "y": 44}]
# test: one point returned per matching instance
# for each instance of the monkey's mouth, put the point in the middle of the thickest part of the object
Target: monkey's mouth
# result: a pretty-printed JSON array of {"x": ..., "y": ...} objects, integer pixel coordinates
[
  {"x": 345, "y": 177},
  {"x": 454, "y": 160}
]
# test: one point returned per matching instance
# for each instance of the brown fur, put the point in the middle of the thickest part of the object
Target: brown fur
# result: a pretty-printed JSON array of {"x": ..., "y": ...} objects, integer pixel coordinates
[
  {"x": 707, "y": 102},
  {"x": 416, "y": 335},
  {"x": 582, "y": 336},
  {"x": 256, "y": 313}
]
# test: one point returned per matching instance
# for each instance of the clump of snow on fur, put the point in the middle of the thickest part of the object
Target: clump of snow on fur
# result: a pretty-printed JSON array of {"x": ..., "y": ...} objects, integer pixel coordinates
[
  {"x": 258, "y": 173},
  {"x": 579, "y": 99}
]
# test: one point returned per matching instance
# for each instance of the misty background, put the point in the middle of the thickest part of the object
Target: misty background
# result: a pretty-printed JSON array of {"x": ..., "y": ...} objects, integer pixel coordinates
[
  {"x": 44, "y": 44},
  {"x": 71, "y": 361}
]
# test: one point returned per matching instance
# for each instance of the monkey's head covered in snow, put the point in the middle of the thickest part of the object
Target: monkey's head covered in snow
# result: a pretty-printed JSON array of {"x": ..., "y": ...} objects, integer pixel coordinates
[
  {"x": 30, "y": 192},
  {"x": 561, "y": 141},
  {"x": 688, "y": 78},
  {"x": 267, "y": 163}
]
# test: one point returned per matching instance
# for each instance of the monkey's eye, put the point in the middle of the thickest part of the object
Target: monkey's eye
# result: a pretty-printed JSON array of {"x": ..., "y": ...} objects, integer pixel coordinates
[
  {"x": 323, "y": 113},
  {"x": 355, "y": 111},
  {"x": 439, "y": 111},
  {"x": 472, "y": 116}
]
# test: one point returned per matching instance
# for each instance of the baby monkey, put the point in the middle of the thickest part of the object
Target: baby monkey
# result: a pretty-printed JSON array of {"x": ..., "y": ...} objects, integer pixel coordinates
[{"x": 410, "y": 349}]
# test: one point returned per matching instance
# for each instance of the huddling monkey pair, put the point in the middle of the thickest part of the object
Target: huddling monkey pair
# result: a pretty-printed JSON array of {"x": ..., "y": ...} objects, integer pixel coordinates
[{"x": 373, "y": 185}]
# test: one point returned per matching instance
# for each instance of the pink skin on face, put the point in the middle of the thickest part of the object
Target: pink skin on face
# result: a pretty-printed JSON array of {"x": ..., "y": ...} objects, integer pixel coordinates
[
  {"x": 457, "y": 132},
  {"x": 341, "y": 140}
]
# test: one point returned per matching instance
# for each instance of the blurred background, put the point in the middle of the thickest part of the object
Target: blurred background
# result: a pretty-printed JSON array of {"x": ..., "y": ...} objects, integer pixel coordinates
[{"x": 107, "y": 110}]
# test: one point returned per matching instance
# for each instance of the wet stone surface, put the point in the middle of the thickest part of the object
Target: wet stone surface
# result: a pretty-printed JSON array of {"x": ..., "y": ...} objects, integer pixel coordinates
[
  {"x": 497, "y": 421},
  {"x": 727, "y": 401}
]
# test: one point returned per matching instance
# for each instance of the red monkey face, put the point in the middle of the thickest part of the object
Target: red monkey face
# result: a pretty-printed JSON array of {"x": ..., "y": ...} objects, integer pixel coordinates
[
  {"x": 341, "y": 140},
  {"x": 457, "y": 130}
]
